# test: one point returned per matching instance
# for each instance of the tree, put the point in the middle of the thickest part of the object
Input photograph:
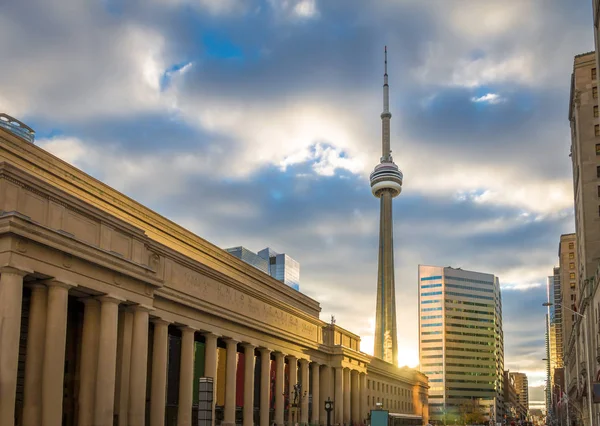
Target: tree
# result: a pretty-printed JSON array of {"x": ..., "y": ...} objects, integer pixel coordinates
[{"x": 471, "y": 412}]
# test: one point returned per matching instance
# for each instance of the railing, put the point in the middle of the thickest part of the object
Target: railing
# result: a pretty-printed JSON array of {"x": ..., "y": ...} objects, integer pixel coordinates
[{"x": 16, "y": 127}]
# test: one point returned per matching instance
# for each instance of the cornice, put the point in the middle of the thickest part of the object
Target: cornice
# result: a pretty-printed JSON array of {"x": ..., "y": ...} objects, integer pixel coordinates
[
  {"x": 19, "y": 225},
  {"x": 71, "y": 179}
]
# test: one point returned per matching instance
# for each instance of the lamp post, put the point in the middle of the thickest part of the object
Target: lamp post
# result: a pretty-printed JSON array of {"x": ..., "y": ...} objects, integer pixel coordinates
[
  {"x": 329, "y": 409},
  {"x": 587, "y": 358}
]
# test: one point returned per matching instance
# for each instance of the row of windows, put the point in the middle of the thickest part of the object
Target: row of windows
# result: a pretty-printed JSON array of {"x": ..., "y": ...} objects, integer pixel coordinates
[
  {"x": 432, "y": 356},
  {"x": 477, "y": 382},
  {"x": 436, "y": 380},
  {"x": 431, "y": 293},
  {"x": 431, "y": 332},
  {"x": 470, "y": 326},
  {"x": 439, "y": 308},
  {"x": 452, "y": 364},
  {"x": 428, "y": 317},
  {"x": 460, "y": 333},
  {"x": 433, "y": 372},
  {"x": 431, "y": 285},
  {"x": 470, "y": 342},
  {"x": 472, "y": 358},
  {"x": 438, "y": 277},
  {"x": 474, "y": 296},
  {"x": 384, "y": 387},
  {"x": 432, "y": 349},
  {"x": 437, "y": 324},
  {"x": 430, "y": 301},
  {"x": 467, "y": 280},
  {"x": 462, "y": 302},
  {"x": 468, "y": 287},
  {"x": 468, "y": 373},
  {"x": 431, "y": 340},
  {"x": 402, "y": 405},
  {"x": 491, "y": 351},
  {"x": 470, "y": 318},
  {"x": 469, "y": 311},
  {"x": 433, "y": 364},
  {"x": 471, "y": 389}
]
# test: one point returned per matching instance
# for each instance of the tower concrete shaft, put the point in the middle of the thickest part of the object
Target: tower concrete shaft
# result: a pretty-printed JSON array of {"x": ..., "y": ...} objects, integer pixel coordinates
[{"x": 386, "y": 183}]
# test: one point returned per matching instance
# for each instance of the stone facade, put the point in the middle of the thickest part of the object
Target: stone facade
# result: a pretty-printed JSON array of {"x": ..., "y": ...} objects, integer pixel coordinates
[{"x": 104, "y": 306}]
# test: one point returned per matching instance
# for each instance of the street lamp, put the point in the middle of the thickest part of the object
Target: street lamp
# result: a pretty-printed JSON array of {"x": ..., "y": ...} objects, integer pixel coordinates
[{"x": 587, "y": 358}]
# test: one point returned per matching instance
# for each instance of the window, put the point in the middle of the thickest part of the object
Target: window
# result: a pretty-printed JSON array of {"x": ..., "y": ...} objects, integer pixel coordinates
[
  {"x": 593, "y": 73},
  {"x": 571, "y": 255},
  {"x": 368, "y": 384},
  {"x": 597, "y": 130},
  {"x": 595, "y": 92},
  {"x": 598, "y": 191},
  {"x": 571, "y": 246},
  {"x": 572, "y": 275},
  {"x": 597, "y": 145},
  {"x": 572, "y": 298},
  {"x": 598, "y": 210},
  {"x": 368, "y": 400},
  {"x": 595, "y": 110},
  {"x": 377, "y": 390},
  {"x": 597, "y": 171},
  {"x": 572, "y": 265}
]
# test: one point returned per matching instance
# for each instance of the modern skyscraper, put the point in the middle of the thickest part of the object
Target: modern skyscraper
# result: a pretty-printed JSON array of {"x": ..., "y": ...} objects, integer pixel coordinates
[
  {"x": 386, "y": 183},
  {"x": 461, "y": 343},
  {"x": 569, "y": 278},
  {"x": 522, "y": 388},
  {"x": 278, "y": 265}
]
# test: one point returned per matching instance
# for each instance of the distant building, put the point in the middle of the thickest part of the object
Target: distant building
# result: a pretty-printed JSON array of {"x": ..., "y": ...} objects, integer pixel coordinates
[
  {"x": 278, "y": 265},
  {"x": 522, "y": 388},
  {"x": 461, "y": 345}
]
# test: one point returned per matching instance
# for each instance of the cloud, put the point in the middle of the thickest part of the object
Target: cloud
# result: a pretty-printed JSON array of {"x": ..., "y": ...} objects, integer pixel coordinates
[
  {"x": 490, "y": 98},
  {"x": 257, "y": 123}
]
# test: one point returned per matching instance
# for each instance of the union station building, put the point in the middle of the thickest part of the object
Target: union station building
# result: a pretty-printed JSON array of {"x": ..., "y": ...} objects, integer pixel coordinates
[{"x": 111, "y": 314}]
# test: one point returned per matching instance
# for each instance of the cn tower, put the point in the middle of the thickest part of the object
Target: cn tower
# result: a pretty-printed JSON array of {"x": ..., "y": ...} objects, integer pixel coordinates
[{"x": 386, "y": 183}]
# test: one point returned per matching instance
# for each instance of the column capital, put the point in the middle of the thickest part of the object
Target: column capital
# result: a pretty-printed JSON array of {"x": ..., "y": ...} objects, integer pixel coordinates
[
  {"x": 292, "y": 357},
  {"x": 264, "y": 351},
  {"x": 35, "y": 285},
  {"x": 187, "y": 329},
  {"x": 110, "y": 298},
  {"x": 53, "y": 282},
  {"x": 141, "y": 307},
  {"x": 86, "y": 300},
  {"x": 231, "y": 341},
  {"x": 303, "y": 361},
  {"x": 210, "y": 334},
  {"x": 248, "y": 345},
  {"x": 278, "y": 354},
  {"x": 15, "y": 270},
  {"x": 160, "y": 321}
]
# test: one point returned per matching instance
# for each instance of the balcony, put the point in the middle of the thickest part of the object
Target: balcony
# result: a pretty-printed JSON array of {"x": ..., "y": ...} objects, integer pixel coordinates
[{"x": 16, "y": 127}]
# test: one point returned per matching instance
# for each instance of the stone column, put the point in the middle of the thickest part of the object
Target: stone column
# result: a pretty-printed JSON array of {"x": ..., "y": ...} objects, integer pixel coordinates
[
  {"x": 158, "y": 392},
  {"x": 139, "y": 367},
  {"x": 346, "y": 391},
  {"x": 54, "y": 353},
  {"x": 339, "y": 395},
  {"x": 326, "y": 391},
  {"x": 107, "y": 361},
  {"x": 293, "y": 369},
  {"x": 230, "y": 378},
  {"x": 89, "y": 361},
  {"x": 279, "y": 382},
  {"x": 362, "y": 389},
  {"x": 355, "y": 414},
  {"x": 304, "y": 377},
  {"x": 248, "y": 419},
  {"x": 316, "y": 400},
  {"x": 36, "y": 340},
  {"x": 210, "y": 364},
  {"x": 124, "y": 333},
  {"x": 265, "y": 385},
  {"x": 186, "y": 377},
  {"x": 11, "y": 297}
]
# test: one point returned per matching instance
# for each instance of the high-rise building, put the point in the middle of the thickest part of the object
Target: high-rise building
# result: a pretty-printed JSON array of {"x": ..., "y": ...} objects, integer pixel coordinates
[
  {"x": 558, "y": 352},
  {"x": 522, "y": 388},
  {"x": 461, "y": 343},
  {"x": 386, "y": 183},
  {"x": 585, "y": 157},
  {"x": 282, "y": 267},
  {"x": 278, "y": 265}
]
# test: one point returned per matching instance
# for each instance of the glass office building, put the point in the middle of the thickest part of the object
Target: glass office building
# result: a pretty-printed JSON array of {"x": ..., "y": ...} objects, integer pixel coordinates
[
  {"x": 461, "y": 345},
  {"x": 278, "y": 265}
]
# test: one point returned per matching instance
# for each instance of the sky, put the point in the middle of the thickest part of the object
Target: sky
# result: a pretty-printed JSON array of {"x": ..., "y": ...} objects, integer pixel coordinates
[{"x": 256, "y": 123}]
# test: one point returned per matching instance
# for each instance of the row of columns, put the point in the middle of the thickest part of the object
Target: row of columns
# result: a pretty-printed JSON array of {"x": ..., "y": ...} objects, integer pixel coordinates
[{"x": 104, "y": 333}]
